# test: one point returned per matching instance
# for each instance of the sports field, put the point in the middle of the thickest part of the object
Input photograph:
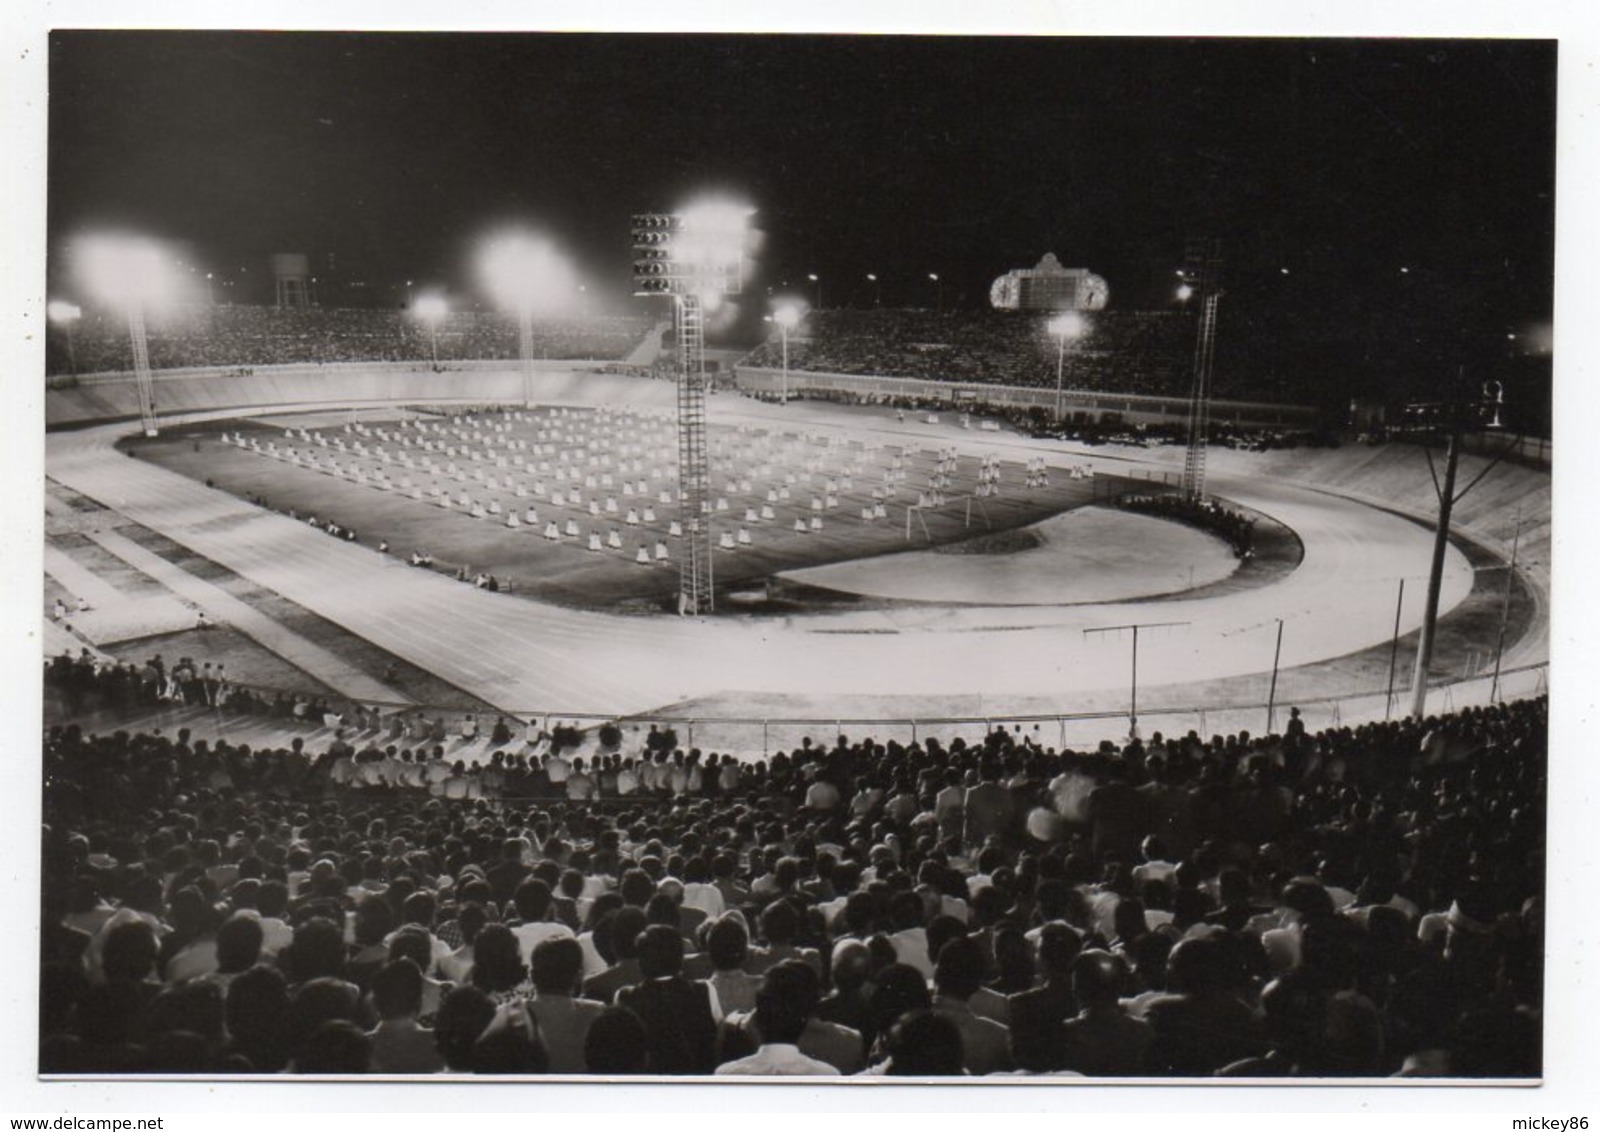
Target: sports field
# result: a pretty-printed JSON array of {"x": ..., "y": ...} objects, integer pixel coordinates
[{"x": 562, "y": 503}]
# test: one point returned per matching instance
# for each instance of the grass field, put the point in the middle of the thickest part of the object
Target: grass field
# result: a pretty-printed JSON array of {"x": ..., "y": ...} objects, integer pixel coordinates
[{"x": 586, "y": 470}]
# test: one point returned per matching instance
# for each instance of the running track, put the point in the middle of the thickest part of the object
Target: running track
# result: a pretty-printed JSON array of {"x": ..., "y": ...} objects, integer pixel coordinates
[{"x": 530, "y": 658}]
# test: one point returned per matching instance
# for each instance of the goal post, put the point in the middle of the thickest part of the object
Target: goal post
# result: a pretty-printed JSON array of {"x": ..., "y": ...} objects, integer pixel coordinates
[{"x": 962, "y": 505}]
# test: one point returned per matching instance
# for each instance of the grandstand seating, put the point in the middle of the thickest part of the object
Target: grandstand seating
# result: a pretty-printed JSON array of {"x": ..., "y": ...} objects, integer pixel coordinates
[
  {"x": 1350, "y": 903},
  {"x": 233, "y": 336},
  {"x": 1125, "y": 352}
]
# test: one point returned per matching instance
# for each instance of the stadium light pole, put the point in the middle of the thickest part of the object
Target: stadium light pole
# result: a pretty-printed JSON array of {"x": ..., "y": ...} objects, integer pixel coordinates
[
  {"x": 787, "y": 317},
  {"x": 431, "y": 311},
  {"x": 130, "y": 273},
  {"x": 66, "y": 316},
  {"x": 877, "y": 289},
  {"x": 525, "y": 274},
  {"x": 1456, "y": 408},
  {"x": 1272, "y": 689},
  {"x": 695, "y": 257},
  {"x": 1064, "y": 326},
  {"x": 816, "y": 282},
  {"x": 938, "y": 289}
]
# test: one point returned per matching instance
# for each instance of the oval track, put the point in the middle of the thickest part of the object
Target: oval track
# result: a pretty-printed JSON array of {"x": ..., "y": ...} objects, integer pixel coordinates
[{"x": 525, "y": 656}]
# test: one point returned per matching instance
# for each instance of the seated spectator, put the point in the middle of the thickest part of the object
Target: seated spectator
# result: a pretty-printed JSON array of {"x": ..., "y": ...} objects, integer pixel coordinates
[
  {"x": 783, "y": 1008},
  {"x": 533, "y": 900},
  {"x": 923, "y": 1043},
  {"x": 728, "y": 945},
  {"x": 464, "y": 1015},
  {"x": 957, "y": 977},
  {"x": 1199, "y": 1026},
  {"x": 497, "y": 967},
  {"x": 256, "y": 1014},
  {"x": 509, "y": 1045},
  {"x": 561, "y": 1019},
  {"x": 616, "y": 938},
  {"x": 1038, "y": 1015},
  {"x": 399, "y": 1044},
  {"x": 336, "y": 1048},
  {"x": 616, "y": 1045},
  {"x": 679, "y": 1028},
  {"x": 1102, "y": 1041}
]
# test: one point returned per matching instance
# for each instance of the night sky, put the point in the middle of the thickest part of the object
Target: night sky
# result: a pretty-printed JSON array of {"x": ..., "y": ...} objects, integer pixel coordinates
[{"x": 1341, "y": 161}]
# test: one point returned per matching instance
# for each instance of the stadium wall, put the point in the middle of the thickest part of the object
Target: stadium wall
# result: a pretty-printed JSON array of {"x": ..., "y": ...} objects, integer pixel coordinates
[
  {"x": 1100, "y": 406},
  {"x": 100, "y": 398}
]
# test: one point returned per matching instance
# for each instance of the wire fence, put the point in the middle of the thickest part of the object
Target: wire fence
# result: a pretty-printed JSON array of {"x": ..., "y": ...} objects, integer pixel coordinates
[{"x": 759, "y": 736}]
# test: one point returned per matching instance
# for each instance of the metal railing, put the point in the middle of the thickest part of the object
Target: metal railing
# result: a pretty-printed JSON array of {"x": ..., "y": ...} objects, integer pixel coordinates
[{"x": 759, "y": 736}]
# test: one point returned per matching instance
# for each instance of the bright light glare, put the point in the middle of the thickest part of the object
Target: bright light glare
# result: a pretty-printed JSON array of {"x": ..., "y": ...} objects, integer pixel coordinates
[
  {"x": 60, "y": 311},
  {"x": 122, "y": 270},
  {"x": 715, "y": 234},
  {"x": 430, "y": 309},
  {"x": 787, "y": 316},
  {"x": 1068, "y": 325},
  {"x": 1185, "y": 292},
  {"x": 525, "y": 273}
]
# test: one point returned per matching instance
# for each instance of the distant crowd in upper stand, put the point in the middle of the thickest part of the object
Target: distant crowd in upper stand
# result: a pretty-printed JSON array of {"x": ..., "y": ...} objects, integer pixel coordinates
[
  {"x": 1359, "y": 902},
  {"x": 1124, "y": 352},
  {"x": 229, "y": 336}
]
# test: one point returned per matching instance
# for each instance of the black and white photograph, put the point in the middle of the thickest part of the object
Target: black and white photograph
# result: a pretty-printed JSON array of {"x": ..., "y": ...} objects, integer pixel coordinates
[{"x": 698, "y": 556}]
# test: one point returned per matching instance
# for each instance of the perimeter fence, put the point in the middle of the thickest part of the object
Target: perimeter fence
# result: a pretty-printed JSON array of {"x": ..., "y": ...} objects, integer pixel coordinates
[{"x": 470, "y": 733}]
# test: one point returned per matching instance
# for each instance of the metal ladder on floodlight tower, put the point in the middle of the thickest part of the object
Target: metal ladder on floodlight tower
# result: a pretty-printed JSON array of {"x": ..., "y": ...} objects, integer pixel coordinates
[
  {"x": 1203, "y": 273},
  {"x": 145, "y": 383},
  {"x": 694, "y": 473}
]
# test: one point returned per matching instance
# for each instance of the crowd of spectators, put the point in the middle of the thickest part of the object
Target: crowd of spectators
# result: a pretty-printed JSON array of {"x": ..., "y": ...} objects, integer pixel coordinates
[
  {"x": 1232, "y": 527},
  {"x": 241, "y": 337},
  {"x": 1123, "y": 352},
  {"x": 1359, "y": 902}
]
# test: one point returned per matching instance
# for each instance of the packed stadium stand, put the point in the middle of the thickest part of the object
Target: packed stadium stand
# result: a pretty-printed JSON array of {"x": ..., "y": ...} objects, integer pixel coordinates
[
  {"x": 1135, "y": 352},
  {"x": 203, "y": 336},
  {"x": 1359, "y": 902}
]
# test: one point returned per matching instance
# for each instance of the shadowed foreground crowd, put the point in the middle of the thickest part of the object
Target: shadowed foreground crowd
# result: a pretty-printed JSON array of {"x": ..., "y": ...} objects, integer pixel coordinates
[{"x": 1360, "y": 902}]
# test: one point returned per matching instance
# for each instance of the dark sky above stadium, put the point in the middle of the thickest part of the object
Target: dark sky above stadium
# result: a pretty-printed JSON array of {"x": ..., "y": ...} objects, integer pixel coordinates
[{"x": 1340, "y": 161}]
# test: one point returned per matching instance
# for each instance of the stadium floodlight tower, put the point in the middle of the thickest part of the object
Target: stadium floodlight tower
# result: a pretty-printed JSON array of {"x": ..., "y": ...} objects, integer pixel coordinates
[
  {"x": 65, "y": 315},
  {"x": 129, "y": 273},
  {"x": 1202, "y": 277},
  {"x": 431, "y": 310},
  {"x": 1069, "y": 324},
  {"x": 1447, "y": 420},
  {"x": 787, "y": 316},
  {"x": 525, "y": 275},
  {"x": 695, "y": 256}
]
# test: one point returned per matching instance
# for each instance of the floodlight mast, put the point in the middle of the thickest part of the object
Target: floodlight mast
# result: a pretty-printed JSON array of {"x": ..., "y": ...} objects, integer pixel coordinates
[
  {"x": 1202, "y": 276},
  {"x": 691, "y": 257},
  {"x": 128, "y": 272}
]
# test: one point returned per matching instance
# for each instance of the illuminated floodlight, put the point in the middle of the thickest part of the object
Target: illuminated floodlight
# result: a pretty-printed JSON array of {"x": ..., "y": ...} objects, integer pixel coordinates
[
  {"x": 65, "y": 315},
  {"x": 122, "y": 270},
  {"x": 1065, "y": 326},
  {"x": 524, "y": 273},
  {"x": 787, "y": 316},
  {"x": 131, "y": 274},
  {"x": 1070, "y": 324},
  {"x": 710, "y": 246},
  {"x": 430, "y": 310},
  {"x": 1185, "y": 292}
]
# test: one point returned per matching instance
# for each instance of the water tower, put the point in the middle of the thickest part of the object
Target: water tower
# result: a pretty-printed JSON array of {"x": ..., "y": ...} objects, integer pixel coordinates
[{"x": 291, "y": 275}]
